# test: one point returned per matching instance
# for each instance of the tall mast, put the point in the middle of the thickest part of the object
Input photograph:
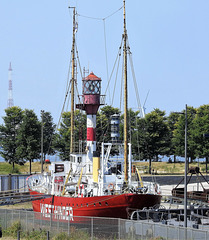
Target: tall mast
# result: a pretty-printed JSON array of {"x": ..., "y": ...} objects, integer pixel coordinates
[
  {"x": 72, "y": 85},
  {"x": 10, "y": 102},
  {"x": 125, "y": 96}
]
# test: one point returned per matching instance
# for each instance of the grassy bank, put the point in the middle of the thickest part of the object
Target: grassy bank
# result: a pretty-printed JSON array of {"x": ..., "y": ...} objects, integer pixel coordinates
[
  {"x": 165, "y": 168},
  {"x": 160, "y": 168},
  {"x": 6, "y": 168}
]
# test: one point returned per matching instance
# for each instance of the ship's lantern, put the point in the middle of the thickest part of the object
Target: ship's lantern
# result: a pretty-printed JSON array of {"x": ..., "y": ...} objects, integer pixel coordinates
[
  {"x": 91, "y": 85},
  {"x": 115, "y": 135}
]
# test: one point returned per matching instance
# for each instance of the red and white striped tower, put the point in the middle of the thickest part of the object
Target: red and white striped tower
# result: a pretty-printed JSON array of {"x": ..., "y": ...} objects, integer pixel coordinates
[
  {"x": 91, "y": 102},
  {"x": 10, "y": 102}
]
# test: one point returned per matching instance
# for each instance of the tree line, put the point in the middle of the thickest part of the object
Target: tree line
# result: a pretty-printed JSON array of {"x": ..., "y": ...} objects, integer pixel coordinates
[{"x": 151, "y": 137}]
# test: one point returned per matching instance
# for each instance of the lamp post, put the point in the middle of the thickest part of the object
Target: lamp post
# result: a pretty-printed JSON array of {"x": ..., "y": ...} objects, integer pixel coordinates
[
  {"x": 42, "y": 134},
  {"x": 185, "y": 169},
  {"x": 185, "y": 172}
]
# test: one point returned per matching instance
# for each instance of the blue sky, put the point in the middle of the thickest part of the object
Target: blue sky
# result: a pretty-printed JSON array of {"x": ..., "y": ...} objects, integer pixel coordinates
[{"x": 169, "y": 42}]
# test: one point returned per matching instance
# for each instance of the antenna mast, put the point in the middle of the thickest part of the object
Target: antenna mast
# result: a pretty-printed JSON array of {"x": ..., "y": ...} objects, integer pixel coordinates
[
  {"x": 125, "y": 97},
  {"x": 72, "y": 86},
  {"x": 10, "y": 102}
]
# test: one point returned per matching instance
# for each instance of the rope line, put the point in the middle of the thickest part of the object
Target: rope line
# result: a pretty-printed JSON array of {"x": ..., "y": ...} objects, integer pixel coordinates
[
  {"x": 95, "y": 18},
  {"x": 116, "y": 78},
  {"x": 135, "y": 83},
  {"x": 113, "y": 68}
]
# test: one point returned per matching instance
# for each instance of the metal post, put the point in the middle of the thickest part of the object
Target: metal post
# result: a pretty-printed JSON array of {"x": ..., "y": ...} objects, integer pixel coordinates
[
  {"x": 129, "y": 164},
  {"x": 42, "y": 140},
  {"x": 102, "y": 170},
  {"x": 18, "y": 235},
  {"x": 185, "y": 172},
  {"x": 92, "y": 228},
  {"x": 9, "y": 182},
  {"x": 68, "y": 225},
  {"x": 119, "y": 228},
  {"x": 47, "y": 237},
  {"x": 26, "y": 221},
  {"x": 33, "y": 219},
  {"x": 6, "y": 218}
]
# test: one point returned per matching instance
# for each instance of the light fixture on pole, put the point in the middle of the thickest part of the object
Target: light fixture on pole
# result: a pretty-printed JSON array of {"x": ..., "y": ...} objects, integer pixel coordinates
[
  {"x": 185, "y": 172},
  {"x": 42, "y": 140},
  {"x": 185, "y": 168}
]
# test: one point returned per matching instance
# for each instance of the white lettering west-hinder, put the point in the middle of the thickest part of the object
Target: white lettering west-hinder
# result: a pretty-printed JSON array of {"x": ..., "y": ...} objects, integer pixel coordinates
[{"x": 59, "y": 212}]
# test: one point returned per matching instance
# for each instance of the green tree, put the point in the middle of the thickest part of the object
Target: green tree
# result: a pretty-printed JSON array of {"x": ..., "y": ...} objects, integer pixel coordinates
[
  {"x": 201, "y": 127},
  {"x": 179, "y": 134},
  {"x": 29, "y": 136},
  {"x": 172, "y": 125},
  {"x": 9, "y": 133},
  {"x": 48, "y": 134},
  {"x": 154, "y": 136},
  {"x": 62, "y": 139}
]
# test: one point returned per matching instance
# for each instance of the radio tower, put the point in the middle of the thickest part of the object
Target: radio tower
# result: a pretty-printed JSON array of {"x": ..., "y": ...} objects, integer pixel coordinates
[{"x": 10, "y": 102}]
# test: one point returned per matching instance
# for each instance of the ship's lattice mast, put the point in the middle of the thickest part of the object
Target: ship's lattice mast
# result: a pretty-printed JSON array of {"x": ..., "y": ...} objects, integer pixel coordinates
[{"x": 10, "y": 102}]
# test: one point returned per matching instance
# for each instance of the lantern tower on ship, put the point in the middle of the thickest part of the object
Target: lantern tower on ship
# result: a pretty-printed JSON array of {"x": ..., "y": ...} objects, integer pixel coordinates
[{"x": 91, "y": 100}]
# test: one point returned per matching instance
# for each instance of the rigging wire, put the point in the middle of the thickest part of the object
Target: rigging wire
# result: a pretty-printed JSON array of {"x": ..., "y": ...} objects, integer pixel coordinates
[
  {"x": 106, "y": 54},
  {"x": 66, "y": 93},
  {"x": 78, "y": 59},
  {"x": 95, "y": 18},
  {"x": 130, "y": 133},
  {"x": 135, "y": 83},
  {"x": 121, "y": 88},
  {"x": 113, "y": 68},
  {"x": 116, "y": 78},
  {"x": 79, "y": 63},
  {"x": 145, "y": 101}
]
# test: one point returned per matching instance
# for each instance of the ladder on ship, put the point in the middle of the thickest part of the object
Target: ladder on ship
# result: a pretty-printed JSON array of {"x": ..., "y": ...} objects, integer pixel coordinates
[{"x": 11, "y": 197}]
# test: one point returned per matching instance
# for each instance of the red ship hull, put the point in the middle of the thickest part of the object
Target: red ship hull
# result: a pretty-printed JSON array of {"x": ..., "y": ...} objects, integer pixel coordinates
[{"x": 114, "y": 206}]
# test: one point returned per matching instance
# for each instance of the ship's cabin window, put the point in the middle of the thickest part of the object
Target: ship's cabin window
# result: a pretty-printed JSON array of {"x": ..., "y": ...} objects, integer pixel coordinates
[
  {"x": 79, "y": 159},
  {"x": 87, "y": 205},
  {"x": 106, "y": 203},
  {"x": 59, "y": 168},
  {"x": 119, "y": 168},
  {"x": 72, "y": 158},
  {"x": 113, "y": 170}
]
